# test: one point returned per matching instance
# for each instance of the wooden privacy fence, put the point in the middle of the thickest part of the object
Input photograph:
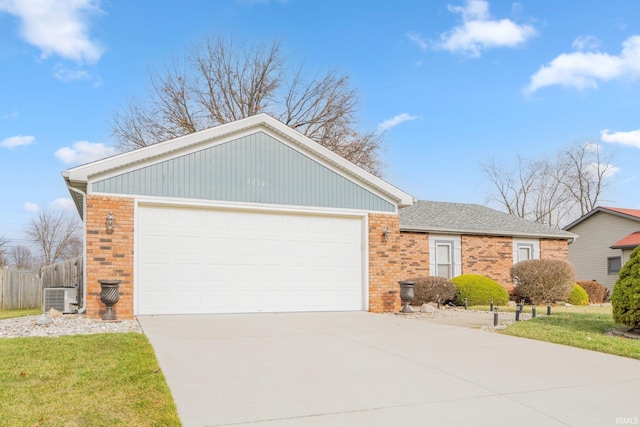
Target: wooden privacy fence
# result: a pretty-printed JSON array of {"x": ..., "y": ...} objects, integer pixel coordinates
[
  {"x": 23, "y": 289},
  {"x": 20, "y": 290}
]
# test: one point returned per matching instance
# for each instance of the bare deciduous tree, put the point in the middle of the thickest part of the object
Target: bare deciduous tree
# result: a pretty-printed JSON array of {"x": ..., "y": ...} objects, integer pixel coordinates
[
  {"x": 220, "y": 81},
  {"x": 20, "y": 258},
  {"x": 4, "y": 244},
  {"x": 551, "y": 191},
  {"x": 56, "y": 234}
]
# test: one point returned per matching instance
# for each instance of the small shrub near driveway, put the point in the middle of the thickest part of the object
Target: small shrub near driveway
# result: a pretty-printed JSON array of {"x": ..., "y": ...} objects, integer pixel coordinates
[
  {"x": 578, "y": 296},
  {"x": 543, "y": 280},
  {"x": 430, "y": 288},
  {"x": 594, "y": 289},
  {"x": 479, "y": 290},
  {"x": 625, "y": 297}
]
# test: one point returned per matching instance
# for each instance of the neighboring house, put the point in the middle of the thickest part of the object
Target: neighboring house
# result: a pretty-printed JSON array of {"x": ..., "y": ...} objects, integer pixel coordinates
[
  {"x": 607, "y": 237},
  {"x": 449, "y": 239},
  {"x": 252, "y": 216}
]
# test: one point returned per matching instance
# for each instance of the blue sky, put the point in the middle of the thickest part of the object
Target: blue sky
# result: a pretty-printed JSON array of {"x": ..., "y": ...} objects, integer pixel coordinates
[{"x": 453, "y": 82}]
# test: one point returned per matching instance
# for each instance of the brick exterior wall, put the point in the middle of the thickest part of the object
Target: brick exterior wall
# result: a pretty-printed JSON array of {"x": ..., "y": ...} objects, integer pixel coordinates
[
  {"x": 554, "y": 249},
  {"x": 109, "y": 255},
  {"x": 490, "y": 256},
  {"x": 384, "y": 263},
  {"x": 414, "y": 254}
]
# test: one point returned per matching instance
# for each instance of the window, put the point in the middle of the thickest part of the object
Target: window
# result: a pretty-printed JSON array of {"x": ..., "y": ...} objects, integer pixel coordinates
[
  {"x": 445, "y": 255},
  {"x": 525, "y": 252},
  {"x": 444, "y": 264},
  {"x": 614, "y": 264},
  {"x": 525, "y": 249}
]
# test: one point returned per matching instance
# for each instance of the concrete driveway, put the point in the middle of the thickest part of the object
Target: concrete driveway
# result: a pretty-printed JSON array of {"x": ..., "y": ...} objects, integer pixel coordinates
[{"x": 364, "y": 369}]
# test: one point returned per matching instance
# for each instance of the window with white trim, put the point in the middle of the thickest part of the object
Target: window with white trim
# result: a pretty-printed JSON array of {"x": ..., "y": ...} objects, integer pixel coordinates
[
  {"x": 444, "y": 259},
  {"x": 525, "y": 249},
  {"x": 445, "y": 255}
]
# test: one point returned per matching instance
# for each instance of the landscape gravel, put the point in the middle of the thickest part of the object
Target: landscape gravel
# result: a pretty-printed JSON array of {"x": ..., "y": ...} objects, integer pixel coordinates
[{"x": 68, "y": 324}]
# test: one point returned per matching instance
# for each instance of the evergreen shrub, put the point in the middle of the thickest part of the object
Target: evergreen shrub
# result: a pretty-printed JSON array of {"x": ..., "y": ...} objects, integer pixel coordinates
[{"x": 479, "y": 290}]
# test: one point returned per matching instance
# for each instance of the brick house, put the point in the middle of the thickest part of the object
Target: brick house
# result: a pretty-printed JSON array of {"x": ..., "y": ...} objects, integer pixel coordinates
[
  {"x": 449, "y": 239},
  {"x": 252, "y": 216}
]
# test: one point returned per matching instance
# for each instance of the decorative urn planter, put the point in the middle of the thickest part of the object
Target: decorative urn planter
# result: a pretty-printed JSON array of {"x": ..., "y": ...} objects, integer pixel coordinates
[
  {"x": 109, "y": 295},
  {"x": 407, "y": 294}
]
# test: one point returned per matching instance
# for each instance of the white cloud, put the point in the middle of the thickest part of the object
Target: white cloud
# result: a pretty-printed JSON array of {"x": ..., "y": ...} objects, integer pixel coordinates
[
  {"x": 63, "y": 203},
  {"x": 631, "y": 138},
  {"x": 609, "y": 169},
  {"x": 585, "y": 69},
  {"x": 84, "y": 152},
  {"x": 12, "y": 115},
  {"x": 479, "y": 31},
  {"x": 57, "y": 27},
  {"x": 66, "y": 75},
  {"x": 395, "y": 121},
  {"x": 30, "y": 207},
  {"x": 586, "y": 43},
  {"x": 17, "y": 141},
  {"x": 418, "y": 40}
]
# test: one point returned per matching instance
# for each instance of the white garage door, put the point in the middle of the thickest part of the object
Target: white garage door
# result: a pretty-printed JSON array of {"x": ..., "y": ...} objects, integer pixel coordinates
[{"x": 221, "y": 261}]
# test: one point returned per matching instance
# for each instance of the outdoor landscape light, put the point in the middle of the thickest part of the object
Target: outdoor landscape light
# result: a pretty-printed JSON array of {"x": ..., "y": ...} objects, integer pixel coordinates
[
  {"x": 110, "y": 221},
  {"x": 386, "y": 233}
]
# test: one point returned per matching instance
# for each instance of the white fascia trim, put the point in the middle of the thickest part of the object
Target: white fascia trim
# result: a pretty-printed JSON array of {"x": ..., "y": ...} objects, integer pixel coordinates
[
  {"x": 212, "y": 204},
  {"x": 225, "y": 132}
]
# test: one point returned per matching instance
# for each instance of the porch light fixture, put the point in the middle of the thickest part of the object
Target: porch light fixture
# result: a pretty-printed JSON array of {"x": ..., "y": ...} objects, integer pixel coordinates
[
  {"x": 385, "y": 234},
  {"x": 110, "y": 222}
]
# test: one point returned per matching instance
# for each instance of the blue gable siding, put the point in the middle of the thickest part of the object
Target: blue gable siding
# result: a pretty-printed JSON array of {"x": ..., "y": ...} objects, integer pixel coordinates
[{"x": 257, "y": 168}]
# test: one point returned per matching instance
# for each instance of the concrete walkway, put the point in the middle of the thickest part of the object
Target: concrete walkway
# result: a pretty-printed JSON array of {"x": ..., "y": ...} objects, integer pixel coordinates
[{"x": 364, "y": 369}]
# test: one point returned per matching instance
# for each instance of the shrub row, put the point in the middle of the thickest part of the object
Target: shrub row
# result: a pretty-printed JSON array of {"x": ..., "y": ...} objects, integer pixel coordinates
[{"x": 594, "y": 289}]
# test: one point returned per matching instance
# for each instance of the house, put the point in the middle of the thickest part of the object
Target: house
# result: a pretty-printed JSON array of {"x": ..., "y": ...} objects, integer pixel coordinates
[
  {"x": 608, "y": 235},
  {"x": 449, "y": 239},
  {"x": 248, "y": 216},
  {"x": 252, "y": 216}
]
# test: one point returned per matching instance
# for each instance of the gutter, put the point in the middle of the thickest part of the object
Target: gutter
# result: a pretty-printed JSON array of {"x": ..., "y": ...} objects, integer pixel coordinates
[{"x": 84, "y": 244}]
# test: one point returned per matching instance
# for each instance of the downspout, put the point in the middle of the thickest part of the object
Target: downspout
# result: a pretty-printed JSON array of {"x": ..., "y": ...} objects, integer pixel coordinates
[{"x": 84, "y": 245}]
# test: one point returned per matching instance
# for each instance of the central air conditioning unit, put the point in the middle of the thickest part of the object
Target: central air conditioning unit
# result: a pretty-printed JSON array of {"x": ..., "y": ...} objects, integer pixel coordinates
[{"x": 62, "y": 299}]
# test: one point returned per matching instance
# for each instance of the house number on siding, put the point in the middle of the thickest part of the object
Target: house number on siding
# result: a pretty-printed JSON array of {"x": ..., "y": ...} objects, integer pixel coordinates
[{"x": 256, "y": 182}]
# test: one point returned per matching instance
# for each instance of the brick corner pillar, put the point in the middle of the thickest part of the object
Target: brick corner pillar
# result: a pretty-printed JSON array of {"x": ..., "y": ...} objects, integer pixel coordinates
[
  {"x": 384, "y": 263},
  {"x": 109, "y": 254}
]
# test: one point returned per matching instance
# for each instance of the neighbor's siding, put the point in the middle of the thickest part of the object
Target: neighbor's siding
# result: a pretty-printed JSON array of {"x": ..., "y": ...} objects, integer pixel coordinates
[
  {"x": 590, "y": 251},
  {"x": 256, "y": 168}
]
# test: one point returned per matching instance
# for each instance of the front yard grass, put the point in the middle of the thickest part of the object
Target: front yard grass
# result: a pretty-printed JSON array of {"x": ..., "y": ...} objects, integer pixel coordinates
[
  {"x": 582, "y": 327},
  {"x": 83, "y": 380},
  {"x": 7, "y": 314}
]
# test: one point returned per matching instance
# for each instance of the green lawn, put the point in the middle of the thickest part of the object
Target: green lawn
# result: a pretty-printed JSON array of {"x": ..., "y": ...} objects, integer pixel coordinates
[
  {"x": 582, "y": 327},
  {"x": 83, "y": 380},
  {"x": 7, "y": 314}
]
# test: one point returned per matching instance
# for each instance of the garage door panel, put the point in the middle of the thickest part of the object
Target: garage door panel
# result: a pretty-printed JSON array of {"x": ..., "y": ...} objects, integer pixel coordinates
[{"x": 218, "y": 261}]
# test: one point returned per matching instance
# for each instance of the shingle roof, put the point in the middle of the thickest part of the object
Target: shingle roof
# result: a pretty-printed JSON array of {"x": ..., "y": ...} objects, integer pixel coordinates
[
  {"x": 464, "y": 218},
  {"x": 632, "y": 214},
  {"x": 631, "y": 241}
]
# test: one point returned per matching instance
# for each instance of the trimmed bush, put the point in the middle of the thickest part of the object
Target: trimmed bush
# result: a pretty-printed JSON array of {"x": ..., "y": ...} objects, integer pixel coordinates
[
  {"x": 578, "y": 296},
  {"x": 543, "y": 280},
  {"x": 430, "y": 288},
  {"x": 625, "y": 297},
  {"x": 479, "y": 290},
  {"x": 595, "y": 290}
]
